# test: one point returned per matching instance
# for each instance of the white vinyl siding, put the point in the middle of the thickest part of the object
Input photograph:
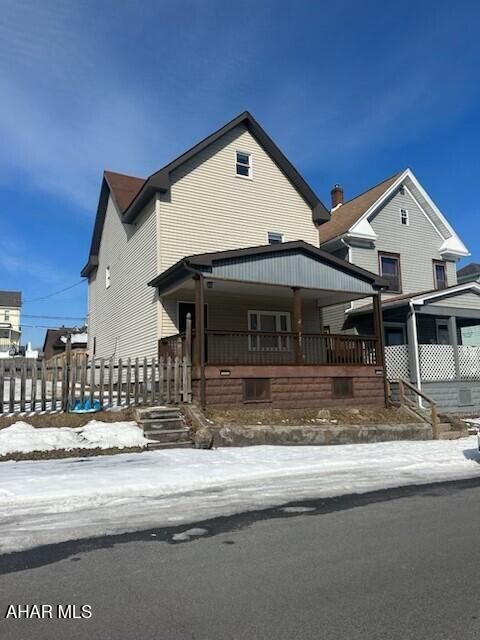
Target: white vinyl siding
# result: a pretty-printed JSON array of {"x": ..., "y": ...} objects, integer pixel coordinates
[
  {"x": 418, "y": 244},
  {"x": 466, "y": 300},
  {"x": 123, "y": 317}
]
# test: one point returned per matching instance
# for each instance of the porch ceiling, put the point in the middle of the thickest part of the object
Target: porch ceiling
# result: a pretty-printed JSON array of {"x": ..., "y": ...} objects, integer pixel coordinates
[{"x": 324, "y": 298}]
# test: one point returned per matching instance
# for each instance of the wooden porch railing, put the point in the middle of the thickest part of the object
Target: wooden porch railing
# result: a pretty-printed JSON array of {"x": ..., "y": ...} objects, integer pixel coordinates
[{"x": 270, "y": 348}]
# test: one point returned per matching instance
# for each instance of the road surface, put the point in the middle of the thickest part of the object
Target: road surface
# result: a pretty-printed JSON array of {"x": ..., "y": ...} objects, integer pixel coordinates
[{"x": 400, "y": 564}]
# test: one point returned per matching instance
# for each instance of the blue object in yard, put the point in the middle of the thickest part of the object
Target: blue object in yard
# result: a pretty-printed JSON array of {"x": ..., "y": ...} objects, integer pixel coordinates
[{"x": 86, "y": 407}]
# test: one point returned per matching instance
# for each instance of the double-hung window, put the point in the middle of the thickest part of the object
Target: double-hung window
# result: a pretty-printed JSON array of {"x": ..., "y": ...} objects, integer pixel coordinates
[
  {"x": 243, "y": 164},
  {"x": 404, "y": 218},
  {"x": 269, "y": 322},
  {"x": 389, "y": 264}
]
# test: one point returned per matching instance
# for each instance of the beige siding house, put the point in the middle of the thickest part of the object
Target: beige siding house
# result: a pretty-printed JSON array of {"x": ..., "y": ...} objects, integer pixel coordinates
[
  {"x": 190, "y": 237},
  {"x": 396, "y": 230}
]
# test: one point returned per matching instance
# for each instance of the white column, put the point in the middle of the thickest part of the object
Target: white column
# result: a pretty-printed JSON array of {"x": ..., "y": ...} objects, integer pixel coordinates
[
  {"x": 453, "y": 340},
  {"x": 413, "y": 351}
]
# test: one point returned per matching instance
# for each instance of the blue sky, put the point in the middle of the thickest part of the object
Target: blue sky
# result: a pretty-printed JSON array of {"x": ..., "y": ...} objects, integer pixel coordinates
[{"x": 351, "y": 91}]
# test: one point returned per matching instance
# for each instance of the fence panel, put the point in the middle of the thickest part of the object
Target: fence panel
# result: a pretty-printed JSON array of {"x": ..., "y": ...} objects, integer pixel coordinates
[{"x": 32, "y": 387}]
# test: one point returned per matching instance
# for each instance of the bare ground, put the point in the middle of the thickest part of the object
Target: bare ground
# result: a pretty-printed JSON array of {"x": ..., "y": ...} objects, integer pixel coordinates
[
  {"x": 68, "y": 419},
  {"x": 297, "y": 417}
]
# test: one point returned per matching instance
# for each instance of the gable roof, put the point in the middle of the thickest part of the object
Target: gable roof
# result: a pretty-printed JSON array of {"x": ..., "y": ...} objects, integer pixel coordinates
[
  {"x": 194, "y": 263},
  {"x": 160, "y": 182},
  {"x": 471, "y": 269},
  {"x": 351, "y": 211},
  {"x": 123, "y": 188},
  {"x": 10, "y": 299}
]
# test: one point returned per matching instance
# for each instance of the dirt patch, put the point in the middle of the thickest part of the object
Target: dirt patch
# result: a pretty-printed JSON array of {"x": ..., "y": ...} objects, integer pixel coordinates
[
  {"x": 71, "y": 420},
  {"x": 68, "y": 453},
  {"x": 298, "y": 417}
]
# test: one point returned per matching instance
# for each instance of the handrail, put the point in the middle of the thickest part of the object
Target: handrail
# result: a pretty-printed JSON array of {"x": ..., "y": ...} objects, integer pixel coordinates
[{"x": 402, "y": 383}]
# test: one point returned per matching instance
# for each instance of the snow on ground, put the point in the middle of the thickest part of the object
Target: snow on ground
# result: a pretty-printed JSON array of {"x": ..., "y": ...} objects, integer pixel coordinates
[
  {"x": 51, "y": 501},
  {"x": 22, "y": 437}
]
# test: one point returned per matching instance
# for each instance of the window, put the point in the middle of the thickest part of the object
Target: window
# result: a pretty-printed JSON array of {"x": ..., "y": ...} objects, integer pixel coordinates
[
  {"x": 274, "y": 238},
  {"x": 269, "y": 322},
  {"x": 107, "y": 277},
  {"x": 7, "y": 315},
  {"x": 439, "y": 274},
  {"x": 443, "y": 334},
  {"x": 394, "y": 334},
  {"x": 256, "y": 390},
  {"x": 404, "y": 219},
  {"x": 342, "y": 387},
  {"x": 243, "y": 165},
  {"x": 390, "y": 270}
]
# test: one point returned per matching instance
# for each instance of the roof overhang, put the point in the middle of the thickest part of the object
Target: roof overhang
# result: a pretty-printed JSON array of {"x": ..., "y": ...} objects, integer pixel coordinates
[{"x": 291, "y": 264}]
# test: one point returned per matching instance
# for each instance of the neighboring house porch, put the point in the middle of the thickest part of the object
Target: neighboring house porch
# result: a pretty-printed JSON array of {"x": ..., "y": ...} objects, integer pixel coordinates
[
  {"x": 431, "y": 339},
  {"x": 251, "y": 321}
]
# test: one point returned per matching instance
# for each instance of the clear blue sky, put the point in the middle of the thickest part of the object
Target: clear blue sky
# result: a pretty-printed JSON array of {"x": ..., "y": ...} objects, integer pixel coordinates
[{"x": 351, "y": 91}]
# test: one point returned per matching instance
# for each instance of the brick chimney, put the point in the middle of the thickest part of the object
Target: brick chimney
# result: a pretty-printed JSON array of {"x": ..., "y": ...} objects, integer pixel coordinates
[{"x": 337, "y": 196}]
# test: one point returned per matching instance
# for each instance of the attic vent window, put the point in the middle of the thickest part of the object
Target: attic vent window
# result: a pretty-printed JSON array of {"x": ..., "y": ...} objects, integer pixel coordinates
[
  {"x": 404, "y": 219},
  {"x": 274, "y": 237},
  {"x": 107, "y": 277},
  {"x": 243, "y": 166}
]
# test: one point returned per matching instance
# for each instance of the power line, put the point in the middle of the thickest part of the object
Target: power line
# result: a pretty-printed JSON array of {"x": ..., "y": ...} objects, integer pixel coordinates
[
  {"x": 26, "y": 315},
  {"x": 41, "y": 326},
  {"x": 56, "y": 293}
]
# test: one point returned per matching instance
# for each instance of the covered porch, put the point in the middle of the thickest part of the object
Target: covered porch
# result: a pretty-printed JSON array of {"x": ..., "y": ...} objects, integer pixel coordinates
[
  {"x": 433, "y": 340},
  {"x": 251, "y": 321}
]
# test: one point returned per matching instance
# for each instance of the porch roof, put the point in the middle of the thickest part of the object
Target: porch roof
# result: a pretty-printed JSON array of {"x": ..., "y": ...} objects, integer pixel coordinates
[
  {"x": 290, "y": 264},
  {"x": 459, "y": 299}
]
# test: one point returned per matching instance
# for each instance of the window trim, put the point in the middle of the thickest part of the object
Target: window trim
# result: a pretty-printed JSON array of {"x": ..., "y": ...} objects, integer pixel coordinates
[
  {"x": 277, "y": 233},
  {"x": 407, "y": 217},
  {"x": 277, "y": 315},
  {"x": 396, "y": 256},
  {"x": 444, "y": 265},
  {"x": 250, "y": 165}
]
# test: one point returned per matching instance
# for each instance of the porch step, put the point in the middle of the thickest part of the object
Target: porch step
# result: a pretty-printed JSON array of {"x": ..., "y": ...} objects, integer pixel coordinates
[
  {"x": 151, "y": 446},
  {"x": 173, "y": 435},
  {"x": 150, "y": 424},
  {"x": 452, "y": 435},
  {"x": 157, "y": 413}
]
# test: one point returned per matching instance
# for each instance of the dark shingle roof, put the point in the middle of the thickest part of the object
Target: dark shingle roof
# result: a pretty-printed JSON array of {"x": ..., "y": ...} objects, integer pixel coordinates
[
  {"x": 123, "y": 187},
  {"x": 473, "y": 268},
  {"x": 352, "y": 210},
  {"x": 10, "y": 299}
]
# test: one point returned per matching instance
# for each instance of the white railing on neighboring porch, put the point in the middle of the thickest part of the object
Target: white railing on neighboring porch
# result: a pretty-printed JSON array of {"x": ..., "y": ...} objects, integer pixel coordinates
[
  {"x": 397, "y": 362},
  {"x": 437, "y": 362}
]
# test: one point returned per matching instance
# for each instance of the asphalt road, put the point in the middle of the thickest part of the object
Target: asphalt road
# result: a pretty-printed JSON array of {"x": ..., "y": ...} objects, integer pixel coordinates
[{"x": 392, "y": 565}]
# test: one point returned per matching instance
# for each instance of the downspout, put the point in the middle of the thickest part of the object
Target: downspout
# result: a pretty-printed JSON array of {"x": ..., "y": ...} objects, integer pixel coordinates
[{"x": 416, "y": 356}]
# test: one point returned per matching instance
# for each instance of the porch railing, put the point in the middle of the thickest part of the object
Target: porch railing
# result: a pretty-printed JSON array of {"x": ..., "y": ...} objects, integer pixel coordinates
[{"x": 271, "y": 348}]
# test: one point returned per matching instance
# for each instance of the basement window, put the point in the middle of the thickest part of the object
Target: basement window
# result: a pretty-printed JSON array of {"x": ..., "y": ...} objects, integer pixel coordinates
[
  {"x": 256, "y": 390},
  {"x": 243, "y": 166},
  {"x": 342, "y": 387}
]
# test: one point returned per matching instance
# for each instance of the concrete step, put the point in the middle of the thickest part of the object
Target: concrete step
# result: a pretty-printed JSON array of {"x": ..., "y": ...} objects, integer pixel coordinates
[
  {"x": 177, "y": 435},
  {"x": 444, "y": 426},
  {"x": 164, "y": 423},
  {"x": 170, "y": 445},
  {"x": 157, "y": 413},
  {"x": 452, "y": 435}
]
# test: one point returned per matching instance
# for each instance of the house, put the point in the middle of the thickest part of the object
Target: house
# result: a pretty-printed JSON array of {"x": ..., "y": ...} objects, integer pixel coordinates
[
  {"x": 469, "y": 273},
  {"x": 10, "y": 329},
  {"x": 395, "y": 230},
  {"x": 56, "y": 340},
  {"x": 218, "y": 252}
]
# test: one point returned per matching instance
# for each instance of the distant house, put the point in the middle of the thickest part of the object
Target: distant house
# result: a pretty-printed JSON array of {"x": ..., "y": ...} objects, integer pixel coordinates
[
  {"x": 469, "y": 273},
  {"x": 56, "y": 340},
  {"x": 10, "y": 330}
]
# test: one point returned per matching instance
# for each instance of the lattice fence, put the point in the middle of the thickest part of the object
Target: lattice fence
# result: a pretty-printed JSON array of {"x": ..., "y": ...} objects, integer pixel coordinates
[
  {"x": 469, "y": 362},
  {"x": 397, "y": 362},
  {"x": 437, "y": 362}
]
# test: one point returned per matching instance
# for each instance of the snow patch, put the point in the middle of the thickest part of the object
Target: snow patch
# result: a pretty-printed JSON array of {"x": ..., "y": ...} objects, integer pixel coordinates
[{"x": 23, "y": 438}]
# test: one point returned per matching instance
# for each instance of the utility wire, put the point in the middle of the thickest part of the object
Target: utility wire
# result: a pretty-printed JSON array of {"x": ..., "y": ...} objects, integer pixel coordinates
[
  {"x": 26, "y": 315},
  {"x": 56, "y": 293}
]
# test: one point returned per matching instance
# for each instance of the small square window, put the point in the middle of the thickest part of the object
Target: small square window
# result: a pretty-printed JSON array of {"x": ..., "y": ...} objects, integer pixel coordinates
[
  {"x": 243, "y": 164},
  {"x": 274, "y": 237},
  {"x": 404, "y": 218},
  {"x": 107, "y": 277},
  {"x": 342, "y": 387},
  {"x": 256, "y": 390}
]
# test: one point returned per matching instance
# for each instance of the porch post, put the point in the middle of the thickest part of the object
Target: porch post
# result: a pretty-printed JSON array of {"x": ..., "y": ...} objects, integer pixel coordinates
[
  {"x": 453, "y": 340},
  {"x": 413, "y": 351},
  {"x": 297, "y": 324},
  {"x": 378, "y": 328},
  {"x": 200, "y": 336}
]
